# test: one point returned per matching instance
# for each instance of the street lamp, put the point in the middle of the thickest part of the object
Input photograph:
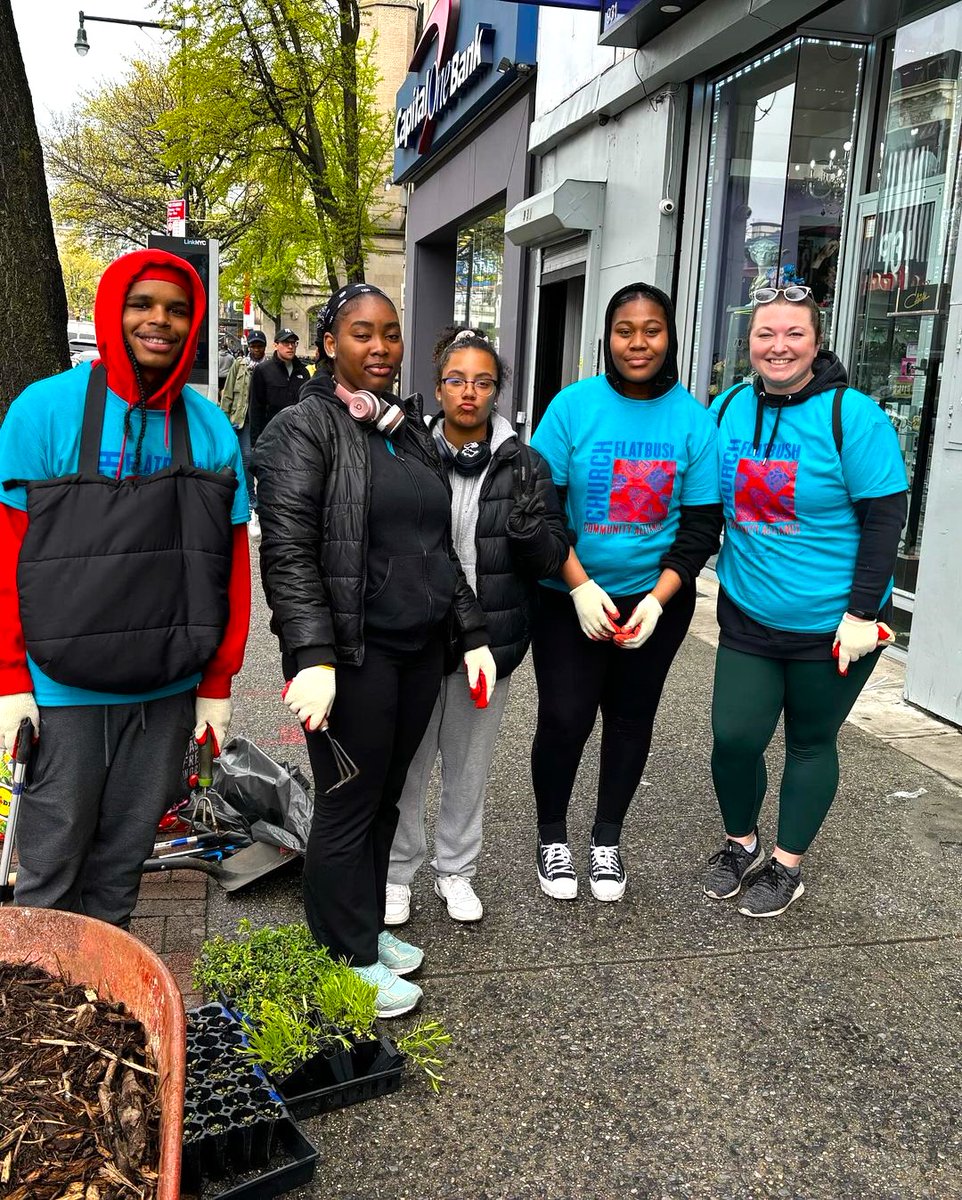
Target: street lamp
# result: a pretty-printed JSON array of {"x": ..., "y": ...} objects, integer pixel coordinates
[{"x": 81, "y": 45}]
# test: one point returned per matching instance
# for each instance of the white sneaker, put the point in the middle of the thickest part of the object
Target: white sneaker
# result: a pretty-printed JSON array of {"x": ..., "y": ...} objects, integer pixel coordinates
[
  {"x": 462, "y": 901},
  {"x": 397, "y": 907},
  {"x": 254, "y": 526},
  {"x": 606, "y": 872},
  {"x": 556, "y": 870}
]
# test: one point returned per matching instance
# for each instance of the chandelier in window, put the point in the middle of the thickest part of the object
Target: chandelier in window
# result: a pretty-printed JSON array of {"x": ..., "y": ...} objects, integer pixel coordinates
[{"x": 827, "y": 180}]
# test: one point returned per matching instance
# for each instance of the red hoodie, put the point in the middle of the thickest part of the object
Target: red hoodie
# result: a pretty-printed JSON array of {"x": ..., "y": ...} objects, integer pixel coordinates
[{"x": 122, "y": 380}]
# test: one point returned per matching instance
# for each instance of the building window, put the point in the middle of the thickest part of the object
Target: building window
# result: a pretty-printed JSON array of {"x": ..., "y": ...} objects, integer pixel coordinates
[
  {"x": 480, "y": 275},
  {"x": 779, "y": 177}
]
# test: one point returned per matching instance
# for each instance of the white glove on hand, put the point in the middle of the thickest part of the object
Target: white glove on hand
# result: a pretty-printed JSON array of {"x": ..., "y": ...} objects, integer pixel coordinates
[
  {"x": 594, "y": 608},
  {"x": 216, "y": 714},
  {"x": 13, "y": 709},
  {"x": 310, "y": 696},
  {"x": 482, "y": 675},
  {"x": 640, "y": 625},
  {"x": 855, "y": 638}
]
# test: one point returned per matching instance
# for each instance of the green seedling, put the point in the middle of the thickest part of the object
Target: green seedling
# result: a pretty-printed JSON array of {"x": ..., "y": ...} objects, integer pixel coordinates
[
  {"x": 421, "y": 1046},
  {"x": 279, "y": 1039}
]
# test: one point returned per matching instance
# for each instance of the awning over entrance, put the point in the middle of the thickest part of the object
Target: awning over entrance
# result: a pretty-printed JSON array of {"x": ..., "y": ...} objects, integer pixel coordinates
[{"x": 557, "y": 212}]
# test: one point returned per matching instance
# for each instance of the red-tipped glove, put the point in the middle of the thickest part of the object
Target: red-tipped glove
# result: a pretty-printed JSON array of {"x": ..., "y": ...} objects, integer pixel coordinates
[
  {"x": 855, "y": 638},
  {"x": 482, "y": 675},
  {"x": 215, "y": 715}
]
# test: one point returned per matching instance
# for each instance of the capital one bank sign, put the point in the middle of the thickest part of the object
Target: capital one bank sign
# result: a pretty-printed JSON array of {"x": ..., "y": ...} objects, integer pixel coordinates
[{"x": 451, "y": 75}]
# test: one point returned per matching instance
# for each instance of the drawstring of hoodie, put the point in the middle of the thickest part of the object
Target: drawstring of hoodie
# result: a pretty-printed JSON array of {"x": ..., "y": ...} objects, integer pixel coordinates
[{"x": 759, "y": 418}]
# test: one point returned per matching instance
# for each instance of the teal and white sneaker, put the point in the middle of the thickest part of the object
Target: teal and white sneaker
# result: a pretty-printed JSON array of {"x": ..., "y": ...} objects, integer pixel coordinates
[
  {"x": 399, "y": 957},
  {"x": 395, "y": 996}
]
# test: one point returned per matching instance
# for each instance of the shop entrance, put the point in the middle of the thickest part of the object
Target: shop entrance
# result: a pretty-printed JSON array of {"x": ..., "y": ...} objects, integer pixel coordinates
[{"x": 559, "y": 337}]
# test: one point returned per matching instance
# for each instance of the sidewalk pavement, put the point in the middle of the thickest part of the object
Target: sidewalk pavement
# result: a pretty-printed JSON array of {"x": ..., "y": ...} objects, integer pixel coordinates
[{"x": 664, "y": 1047}]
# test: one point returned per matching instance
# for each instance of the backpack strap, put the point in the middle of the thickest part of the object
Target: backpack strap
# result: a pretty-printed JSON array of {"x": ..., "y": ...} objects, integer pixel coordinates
[
  {"x": 837, "y": 419},
  {"x": 728, "y": 399},
  {"x": 91, "y": 434}
]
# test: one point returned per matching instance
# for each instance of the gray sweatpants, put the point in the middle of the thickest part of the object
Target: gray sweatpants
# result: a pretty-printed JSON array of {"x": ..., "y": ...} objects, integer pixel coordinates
[
  {"x": 465, "y": 737},
  {"x": 101, "y": 778}
]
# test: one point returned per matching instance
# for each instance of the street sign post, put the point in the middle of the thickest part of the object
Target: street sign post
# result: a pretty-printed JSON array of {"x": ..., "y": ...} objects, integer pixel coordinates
[
  {"x": 202, "y": 254},
  {"x": 177, "y": 218}
]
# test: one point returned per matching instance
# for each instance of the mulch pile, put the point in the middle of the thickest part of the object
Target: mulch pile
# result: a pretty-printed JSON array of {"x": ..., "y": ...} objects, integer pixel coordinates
[{"x": 79, "y": 1115}]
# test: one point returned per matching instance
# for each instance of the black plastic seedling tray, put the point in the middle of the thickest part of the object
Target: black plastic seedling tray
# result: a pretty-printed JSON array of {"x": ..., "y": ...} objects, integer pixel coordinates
[
  {"x": 335, "y": 1080},
  {"x": 292, "y": 1174}
]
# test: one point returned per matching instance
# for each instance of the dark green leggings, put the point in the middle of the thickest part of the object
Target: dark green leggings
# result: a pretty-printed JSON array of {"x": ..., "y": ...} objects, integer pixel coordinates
[{"x": 750, "y": 694}]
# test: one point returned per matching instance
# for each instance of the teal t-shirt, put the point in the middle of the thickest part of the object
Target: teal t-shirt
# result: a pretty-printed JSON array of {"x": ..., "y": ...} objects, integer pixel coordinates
[
  {"x": 629, "y": 466},
  {"x": 40, "y": 439},
  {"x": 791, "y": 531}
]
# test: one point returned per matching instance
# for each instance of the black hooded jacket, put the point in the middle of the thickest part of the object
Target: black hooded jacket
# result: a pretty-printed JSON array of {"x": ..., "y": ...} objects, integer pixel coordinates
[
  {"x": 314, "y": 486},
  {"x": 699, "y": 529}
]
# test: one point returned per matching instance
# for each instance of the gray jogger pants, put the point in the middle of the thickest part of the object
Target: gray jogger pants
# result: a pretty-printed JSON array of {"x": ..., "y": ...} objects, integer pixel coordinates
[
  {"x": 102, "y": 777},
  {"x": 465, "y": 736}
]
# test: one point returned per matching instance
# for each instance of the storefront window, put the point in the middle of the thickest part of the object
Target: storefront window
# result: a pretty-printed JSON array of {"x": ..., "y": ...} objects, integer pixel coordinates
[
  {"x": 908, "y": 233},
  {"x": 479, "y": 275},
  {"x": 778, "y": 184}
]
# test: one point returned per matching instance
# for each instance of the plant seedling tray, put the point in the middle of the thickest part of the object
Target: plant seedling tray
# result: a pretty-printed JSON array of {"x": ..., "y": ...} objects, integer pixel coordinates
[
  {"x": 295, "y": 1173},
  {"x": 335, "y": 1080}
]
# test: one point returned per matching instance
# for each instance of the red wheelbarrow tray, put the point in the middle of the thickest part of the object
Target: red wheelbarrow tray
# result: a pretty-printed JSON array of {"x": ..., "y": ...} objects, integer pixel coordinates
[{"x": 122, "y": 969}]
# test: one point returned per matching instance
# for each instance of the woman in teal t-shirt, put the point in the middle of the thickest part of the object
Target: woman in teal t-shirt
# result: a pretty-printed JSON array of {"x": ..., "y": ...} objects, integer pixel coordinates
[
  {"x": 813, "y": 486},
  {"x": 633, "y": 456}
]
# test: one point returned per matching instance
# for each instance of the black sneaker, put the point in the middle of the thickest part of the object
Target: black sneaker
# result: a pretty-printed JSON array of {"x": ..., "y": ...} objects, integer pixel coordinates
[
  {"x": 606, "y": 874},
  {"x": 556, "y": 870},
  {"x": 772, "y": 891},
  {"x": 730, "y": 867}
]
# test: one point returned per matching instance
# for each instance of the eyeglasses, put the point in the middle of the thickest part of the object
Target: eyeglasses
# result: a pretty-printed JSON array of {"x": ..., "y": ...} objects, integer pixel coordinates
[
  {"x": 795, "y": 293},
  {"x": 484, "y": 387}
]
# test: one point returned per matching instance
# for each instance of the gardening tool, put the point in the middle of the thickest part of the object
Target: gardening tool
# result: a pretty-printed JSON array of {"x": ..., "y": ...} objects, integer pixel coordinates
[
  {"x": 347, "y": 769},
  {"x": 21, "y": 756},
  {"x": 203, "y": 810},
  {"x": 242, "y": 868}
]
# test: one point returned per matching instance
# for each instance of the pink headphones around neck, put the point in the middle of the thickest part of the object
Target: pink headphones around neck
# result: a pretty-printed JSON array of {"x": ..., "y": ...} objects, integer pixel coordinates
[{"x": 369, "y": 409}]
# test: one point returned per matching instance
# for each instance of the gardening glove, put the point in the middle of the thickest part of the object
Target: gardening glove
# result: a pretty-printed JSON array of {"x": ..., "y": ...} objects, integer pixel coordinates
[
  {"x": 482, "y": 675},
  {"x": 640, "y": 625},
  {"x": 855, "y": 638},
  {"x": 310, "y": 696},
  {"x": 216, "y": 714},
  {"x": 13, "y": 709},
  {"x": 595, "y": 610}
]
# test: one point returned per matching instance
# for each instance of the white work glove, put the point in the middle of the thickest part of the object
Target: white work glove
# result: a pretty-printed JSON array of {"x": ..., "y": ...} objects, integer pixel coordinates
[
  {"x": 855, "y": 638},
  {"x": 482, "y": 675},
  {"x": 216, "y": 714},
  {"x": 595, "y": 610},
  {"x": 310, "y": 696},
  {"x": 640, "y": 625},
  {"x": 13, "y": 709}
]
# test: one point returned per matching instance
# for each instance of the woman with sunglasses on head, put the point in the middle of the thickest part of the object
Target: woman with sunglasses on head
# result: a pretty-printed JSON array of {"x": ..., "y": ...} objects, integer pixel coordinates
[
  {"x": 633, "y": 454},
  {"x": 363, "y": 583},
  {"x": 509, "y": 532},
  {"x": 814, "y": 490}
]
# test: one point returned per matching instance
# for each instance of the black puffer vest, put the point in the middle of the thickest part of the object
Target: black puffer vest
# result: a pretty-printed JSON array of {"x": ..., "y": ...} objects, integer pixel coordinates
[{"x": 123, "y": 582}]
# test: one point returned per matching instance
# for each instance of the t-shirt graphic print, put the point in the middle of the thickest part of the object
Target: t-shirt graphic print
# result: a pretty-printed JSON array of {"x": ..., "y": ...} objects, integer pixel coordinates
[
  {"x": 641, "y": 491},
  {"x": 765, "y": 491}
]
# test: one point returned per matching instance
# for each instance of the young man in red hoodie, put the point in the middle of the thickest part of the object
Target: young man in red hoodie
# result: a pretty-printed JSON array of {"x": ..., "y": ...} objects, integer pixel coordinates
[{"x": 124, "y": 587}]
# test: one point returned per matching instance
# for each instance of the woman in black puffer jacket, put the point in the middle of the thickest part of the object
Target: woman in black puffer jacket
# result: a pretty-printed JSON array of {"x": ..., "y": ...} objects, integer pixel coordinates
[
  {"x": 364, "y": 585},
  {"x": 508, "y": 531}
]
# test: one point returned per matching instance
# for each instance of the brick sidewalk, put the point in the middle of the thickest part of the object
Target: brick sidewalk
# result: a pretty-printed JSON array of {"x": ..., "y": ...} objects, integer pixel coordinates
[{"x": 171, "y": 917}]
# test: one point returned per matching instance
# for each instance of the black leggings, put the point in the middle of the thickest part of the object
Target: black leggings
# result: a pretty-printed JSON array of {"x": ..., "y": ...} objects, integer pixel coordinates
[
  {"x": 380, "y": 713},
  {"x": 576, "y": 677},
  {"x": 751, "y": 693}
]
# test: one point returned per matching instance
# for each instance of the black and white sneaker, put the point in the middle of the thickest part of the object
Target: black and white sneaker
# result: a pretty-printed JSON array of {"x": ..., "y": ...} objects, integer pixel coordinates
[
  {"x": 772, "y": 891},
  {"x": 556, "y": 870},
  {"x": 606, "y": 872},
  {"x": 730, "y": 868}
]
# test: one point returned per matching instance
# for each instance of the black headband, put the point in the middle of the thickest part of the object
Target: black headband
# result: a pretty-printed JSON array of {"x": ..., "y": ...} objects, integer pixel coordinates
[{"x": 325, "y": 322}]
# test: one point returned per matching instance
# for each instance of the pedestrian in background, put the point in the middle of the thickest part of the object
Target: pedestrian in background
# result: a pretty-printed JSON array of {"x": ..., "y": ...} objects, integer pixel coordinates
[
  {"x": 126, "y": 497},
  {"x": 235, "y": 401},
  {"x": 508, "y": 532},
  {"x": 276, "y": 383},
  {"x": 364, "y": 586},
  {"x": 814, "y": 489},
  {"x": 633, "y": 456}
]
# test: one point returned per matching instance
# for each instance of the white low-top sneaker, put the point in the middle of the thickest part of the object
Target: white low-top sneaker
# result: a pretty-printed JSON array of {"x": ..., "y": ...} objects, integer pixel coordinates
[
  {"x": 397, "y": 904},
  {"x": 556, "y": 870},
  {"x": 462, "y": 900},
  {"x": 607, "y": 873}
]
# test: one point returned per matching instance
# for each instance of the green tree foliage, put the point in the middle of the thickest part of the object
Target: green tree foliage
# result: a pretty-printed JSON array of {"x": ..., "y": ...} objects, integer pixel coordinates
[
  {"x": 31, "y": 285},
  {"x": 81, "y": 274},
  {"x": 114, "y": 171}
]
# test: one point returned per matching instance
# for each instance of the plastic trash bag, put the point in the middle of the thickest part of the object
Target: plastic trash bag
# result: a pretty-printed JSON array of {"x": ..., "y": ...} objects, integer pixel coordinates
[{"x": 273, "y": 799}]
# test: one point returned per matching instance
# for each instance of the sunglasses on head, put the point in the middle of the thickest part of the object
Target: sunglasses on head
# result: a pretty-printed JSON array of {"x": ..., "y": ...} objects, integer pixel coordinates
[{"x": 793, "y": 293}]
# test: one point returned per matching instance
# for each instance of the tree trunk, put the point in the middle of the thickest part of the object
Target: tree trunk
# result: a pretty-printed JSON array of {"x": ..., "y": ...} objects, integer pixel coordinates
[
  {"x": 350, "y": 28},
  {"x": 32, "y": 296}
]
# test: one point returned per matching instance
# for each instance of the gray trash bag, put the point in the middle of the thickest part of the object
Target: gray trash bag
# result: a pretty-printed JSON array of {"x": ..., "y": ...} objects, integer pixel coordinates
[{"x": 275, "y": 798}]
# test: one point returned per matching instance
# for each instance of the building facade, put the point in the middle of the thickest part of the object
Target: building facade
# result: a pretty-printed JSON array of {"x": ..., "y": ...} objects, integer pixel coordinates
[{"x": 738, "y": 142}]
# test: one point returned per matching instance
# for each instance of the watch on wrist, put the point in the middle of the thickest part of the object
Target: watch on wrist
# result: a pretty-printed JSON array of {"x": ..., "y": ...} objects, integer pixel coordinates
[{"x": 864, "y": 614}]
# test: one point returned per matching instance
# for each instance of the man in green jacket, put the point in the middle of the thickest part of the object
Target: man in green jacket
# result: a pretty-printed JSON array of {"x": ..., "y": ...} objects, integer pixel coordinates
[{"x": 235, "y": 401}]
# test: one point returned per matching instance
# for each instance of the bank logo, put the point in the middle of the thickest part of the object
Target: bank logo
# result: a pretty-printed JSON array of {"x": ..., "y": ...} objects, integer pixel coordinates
[
  {"x": 641, "y": 490},
  {"x": 765, "y": 491}
]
